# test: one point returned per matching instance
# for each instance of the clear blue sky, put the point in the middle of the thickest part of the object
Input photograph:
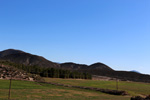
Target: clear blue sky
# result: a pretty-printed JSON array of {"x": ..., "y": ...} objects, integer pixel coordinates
[{"x": 114, "y": 32}]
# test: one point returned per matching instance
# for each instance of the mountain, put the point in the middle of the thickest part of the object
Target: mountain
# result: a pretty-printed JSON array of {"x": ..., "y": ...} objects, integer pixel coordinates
[
  {"x": 21, "y": 57},
  {"x": 100, "y": 69},
  {"x": 135, "y": 71},
  {"x": 9, "y": 52},
  {"x": 100, "y": 66},
  {"x": 74, "y": 66}
]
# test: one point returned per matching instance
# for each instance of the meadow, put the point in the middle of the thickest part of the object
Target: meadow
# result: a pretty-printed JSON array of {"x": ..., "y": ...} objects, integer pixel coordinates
[
  {"x": 133, "y": 88},
  {"x": 26, "y": 90}
]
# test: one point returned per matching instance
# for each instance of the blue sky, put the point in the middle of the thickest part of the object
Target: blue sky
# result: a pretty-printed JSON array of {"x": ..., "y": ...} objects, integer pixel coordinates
[{"x": 114, "y": 32}]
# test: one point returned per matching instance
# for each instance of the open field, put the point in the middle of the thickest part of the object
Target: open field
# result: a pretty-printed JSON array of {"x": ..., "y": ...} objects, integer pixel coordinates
[
  {"x": 133, "y": 88},
  {"x": 25, "y": 90}
]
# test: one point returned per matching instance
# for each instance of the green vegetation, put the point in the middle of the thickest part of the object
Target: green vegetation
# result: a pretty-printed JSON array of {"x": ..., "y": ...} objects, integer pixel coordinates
[
  {"x": 49, "y": 72},
  {"x": 133, "y": 88},
  {"x": 25, "y": 90}
]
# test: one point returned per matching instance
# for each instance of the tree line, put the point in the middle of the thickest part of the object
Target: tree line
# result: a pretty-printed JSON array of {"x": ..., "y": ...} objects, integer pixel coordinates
[{"x": 49, "y": 72}]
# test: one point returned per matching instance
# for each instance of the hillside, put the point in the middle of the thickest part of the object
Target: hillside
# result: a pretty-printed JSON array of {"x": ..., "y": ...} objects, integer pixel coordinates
[
  {"x": 74, "y": 66},
  {"x": 9, "y": 52},
  {"x": 21, "y": 57},
  {"x": 10, "y": 72}
]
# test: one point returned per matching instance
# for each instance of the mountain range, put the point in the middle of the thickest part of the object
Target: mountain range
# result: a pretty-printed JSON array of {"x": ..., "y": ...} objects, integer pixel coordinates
[{"x": 21, "y": 57}]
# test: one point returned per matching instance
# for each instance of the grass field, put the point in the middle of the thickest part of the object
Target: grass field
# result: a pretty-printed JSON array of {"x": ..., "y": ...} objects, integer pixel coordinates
[
  {"x": 133, "y": 88},
  {"x": 25, "y": 90}
]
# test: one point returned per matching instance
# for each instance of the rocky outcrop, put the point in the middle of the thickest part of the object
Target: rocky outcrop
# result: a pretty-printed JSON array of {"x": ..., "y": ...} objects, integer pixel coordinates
[{"x": 8, "y": 72}]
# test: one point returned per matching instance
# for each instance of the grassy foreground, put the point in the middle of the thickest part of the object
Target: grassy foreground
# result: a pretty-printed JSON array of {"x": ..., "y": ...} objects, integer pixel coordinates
[
  {"x": 133, "y": 88},
  {"x": 25, "y": 90}
]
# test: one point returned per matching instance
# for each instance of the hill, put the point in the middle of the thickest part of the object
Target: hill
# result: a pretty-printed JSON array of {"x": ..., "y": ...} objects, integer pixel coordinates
[
  {"x": 135, "y": 71},
  {"x": 21, "y": 57},
  {"x": 74, "y": 66}
]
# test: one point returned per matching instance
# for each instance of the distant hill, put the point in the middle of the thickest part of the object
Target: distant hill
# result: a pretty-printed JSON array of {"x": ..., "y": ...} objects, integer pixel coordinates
[
  {"x": 74, "y": 66},
  {"x": 135, "y": 71},
  {"x": 21, "y": 57},
  {"x": 9, "y": 52}
]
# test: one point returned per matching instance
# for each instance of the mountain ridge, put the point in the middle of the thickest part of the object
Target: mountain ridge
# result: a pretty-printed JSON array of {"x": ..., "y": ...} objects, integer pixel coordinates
[
  {"x": 18, "y": 56},
  {"x": 21, "y": 57}
]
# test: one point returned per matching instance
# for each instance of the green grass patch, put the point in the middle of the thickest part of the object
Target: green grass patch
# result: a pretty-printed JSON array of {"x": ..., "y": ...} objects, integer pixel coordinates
[
  {"x": 25, "y": 90},
  {"x": 134, "y": 88}
]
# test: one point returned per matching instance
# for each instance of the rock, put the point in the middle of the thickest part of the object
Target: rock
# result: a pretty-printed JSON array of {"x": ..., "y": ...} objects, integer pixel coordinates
[
  {"x": 6, "y": 72},
  {"x": 31, "y": 79}
]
